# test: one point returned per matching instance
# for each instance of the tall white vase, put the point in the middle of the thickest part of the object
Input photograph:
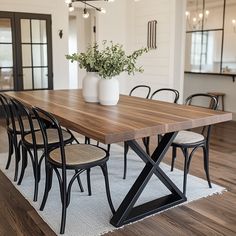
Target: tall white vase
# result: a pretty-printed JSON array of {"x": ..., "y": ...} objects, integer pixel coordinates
[
  {"x": 90, "y": 87},
  {"x": 108, "y": 90}
]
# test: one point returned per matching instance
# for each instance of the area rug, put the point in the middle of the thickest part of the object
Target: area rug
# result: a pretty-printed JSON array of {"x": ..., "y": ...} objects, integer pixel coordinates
[{"x": 90, "y": 215}]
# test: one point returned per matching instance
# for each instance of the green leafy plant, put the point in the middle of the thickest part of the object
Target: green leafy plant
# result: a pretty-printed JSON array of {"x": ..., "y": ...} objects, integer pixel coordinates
[
  {"x": 89, "y": 60},
  {"x": 109, "y": 61}
]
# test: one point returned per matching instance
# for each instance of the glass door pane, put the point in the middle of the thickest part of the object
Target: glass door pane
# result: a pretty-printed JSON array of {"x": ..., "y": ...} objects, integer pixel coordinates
[
  {"x": 6, "y": 79},
  {"x": 25, "y": 51},
  {"x": 6, "y": 55},
  {"x": 34, "y": 51}
]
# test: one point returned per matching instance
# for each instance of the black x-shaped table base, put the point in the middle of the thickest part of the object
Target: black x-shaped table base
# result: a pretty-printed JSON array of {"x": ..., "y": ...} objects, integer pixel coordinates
[{"x": 126, "y": 212}]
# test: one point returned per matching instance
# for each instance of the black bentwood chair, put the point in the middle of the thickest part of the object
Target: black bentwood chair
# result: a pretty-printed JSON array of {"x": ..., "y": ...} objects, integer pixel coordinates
[
  {"x": 77, "y": 157},
  {"x": 146, "y": 140},
  {"x": 174, "y": 99},
  {"x": 11, "y": 133},
  {"x": 146, "y": 90},
  {"x": 186, "y": 140},
  {"x": 173, "y": 92},
  {"x": 14, "y": 131},
  {"x": 141, "y": 88},
  {"x": 32, "y": 141}
]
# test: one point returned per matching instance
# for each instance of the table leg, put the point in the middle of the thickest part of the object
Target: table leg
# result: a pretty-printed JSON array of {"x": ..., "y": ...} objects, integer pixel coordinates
[{"x": 126, "y": 212}]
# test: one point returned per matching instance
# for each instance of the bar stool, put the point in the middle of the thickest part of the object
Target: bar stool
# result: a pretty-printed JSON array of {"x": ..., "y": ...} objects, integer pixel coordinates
[{"x": 219, "y": 95}]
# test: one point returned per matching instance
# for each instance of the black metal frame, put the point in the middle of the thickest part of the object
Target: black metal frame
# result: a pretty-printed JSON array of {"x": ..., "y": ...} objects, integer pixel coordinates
[
  {"x": 204, "y": 144},
  {"x": 126, "y": 212},
  {"x": 88, "y": 4}
]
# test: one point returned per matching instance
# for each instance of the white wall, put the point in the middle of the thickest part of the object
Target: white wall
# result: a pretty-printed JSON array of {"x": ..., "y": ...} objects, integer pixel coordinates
[
  {"x": 59, "y": 12},
  {"x": 112, "y": 26},
  {"x": 73, "y": 67}
]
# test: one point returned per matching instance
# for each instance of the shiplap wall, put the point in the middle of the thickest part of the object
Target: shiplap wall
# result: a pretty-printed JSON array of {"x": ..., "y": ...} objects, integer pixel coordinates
[{"x": 160, "y": 65}]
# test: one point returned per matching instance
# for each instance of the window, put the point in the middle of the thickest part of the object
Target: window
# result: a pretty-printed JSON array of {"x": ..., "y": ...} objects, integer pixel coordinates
[{"x": 199, "y": 48}]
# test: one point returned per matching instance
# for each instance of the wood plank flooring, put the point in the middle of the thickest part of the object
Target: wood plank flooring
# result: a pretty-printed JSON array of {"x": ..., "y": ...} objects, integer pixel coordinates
[{"x": 215, "y": 215}]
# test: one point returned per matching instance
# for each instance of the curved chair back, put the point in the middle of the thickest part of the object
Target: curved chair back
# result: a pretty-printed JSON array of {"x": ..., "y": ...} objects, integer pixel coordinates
[
  {"x": 145, "y": 88},
  {"x": 24, "y": 117},
  {"x": 42, "y": 115},
  {"x": 198, "y": 99},
  {"x": 210, "y": 102},
  {"x": 6, "y": 109},
  {"x": 170, "y": 91}
]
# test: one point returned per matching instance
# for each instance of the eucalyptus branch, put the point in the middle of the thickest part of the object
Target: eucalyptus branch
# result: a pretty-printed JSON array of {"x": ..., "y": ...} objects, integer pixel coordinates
[{"x": 108, "y": 62}]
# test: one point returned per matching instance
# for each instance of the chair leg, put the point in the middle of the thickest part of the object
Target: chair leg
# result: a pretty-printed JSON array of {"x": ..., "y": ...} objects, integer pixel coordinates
[
  {"x": 89, "y": 182},
  {"x": 105, "y": 173},
  {"x": 48, "y": 185},
  {"x": 148, "y": 146},
  {"x": 146, "y": 142},
  {"x": 185, "y": 152},
  {"x": 64, "y": 206},
  {"x": 108, "y": 148},
  {"x": 17, "y": 157},
  {"x": 126, "y": 149},
  {"x": 79, "y": 182},
  {"x": 24, "y": 164},
  {"x": 206, "y": 164},
  {"x": 87, "y": 140},
  {"x": 36, "y": 177},
  {"x": 10, "y": 151},
  {"x": 189, "y": 161},
  {"x": 173, "y": 158}
]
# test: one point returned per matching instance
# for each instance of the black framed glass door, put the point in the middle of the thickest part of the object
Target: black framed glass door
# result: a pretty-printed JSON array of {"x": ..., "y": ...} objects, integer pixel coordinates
[{"x": 25, "y": 51}]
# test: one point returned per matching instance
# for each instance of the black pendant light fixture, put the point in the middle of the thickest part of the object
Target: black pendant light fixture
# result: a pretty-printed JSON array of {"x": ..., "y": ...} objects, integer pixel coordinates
[{"x": 86, "y": 3}]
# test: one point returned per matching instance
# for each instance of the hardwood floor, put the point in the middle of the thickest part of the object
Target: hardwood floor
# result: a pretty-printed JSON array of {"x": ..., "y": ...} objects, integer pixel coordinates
[{"x": 215, "y": 215}]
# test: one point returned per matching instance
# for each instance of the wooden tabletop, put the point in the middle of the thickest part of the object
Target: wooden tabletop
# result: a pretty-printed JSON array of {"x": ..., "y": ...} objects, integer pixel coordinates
[{"x": 132, "y": 118}]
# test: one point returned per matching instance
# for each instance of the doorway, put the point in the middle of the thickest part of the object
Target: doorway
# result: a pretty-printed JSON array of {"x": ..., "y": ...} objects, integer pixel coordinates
[
  {"x": 82, "y": 33},
  {"x": 25, "y": 51}
]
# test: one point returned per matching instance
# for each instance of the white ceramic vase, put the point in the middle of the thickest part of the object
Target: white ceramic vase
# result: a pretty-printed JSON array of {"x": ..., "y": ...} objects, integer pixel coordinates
[
  {"x": 90, "y": 87},
  {"x": 108, "y": 90}
]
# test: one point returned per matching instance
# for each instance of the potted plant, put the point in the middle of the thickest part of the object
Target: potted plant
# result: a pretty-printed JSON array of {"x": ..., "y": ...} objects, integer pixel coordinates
[
  {"x": 108, "y": 62},
  {"x": 89, "y": 61}
]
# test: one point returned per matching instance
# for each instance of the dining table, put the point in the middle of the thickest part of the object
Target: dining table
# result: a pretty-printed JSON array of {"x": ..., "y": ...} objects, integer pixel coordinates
[{"x": 131, "y": 119}]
